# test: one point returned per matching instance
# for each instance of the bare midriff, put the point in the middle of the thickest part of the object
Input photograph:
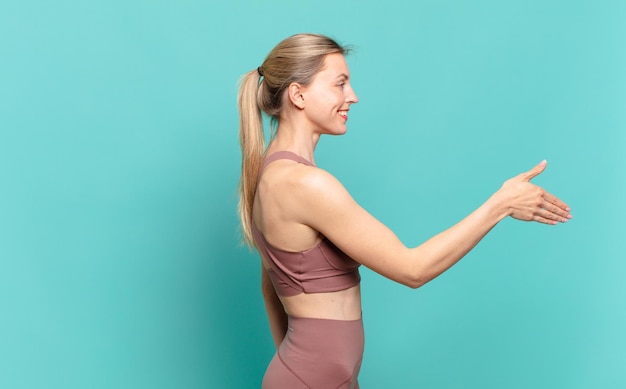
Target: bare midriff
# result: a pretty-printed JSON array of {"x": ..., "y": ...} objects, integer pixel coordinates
[{"x": 340, "y": 305}]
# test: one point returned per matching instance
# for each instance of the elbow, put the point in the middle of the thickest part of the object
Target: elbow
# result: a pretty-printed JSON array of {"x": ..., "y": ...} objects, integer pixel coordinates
[
  {"x": 412, "y": 281},
  {"x": 417, "y": 278},
  {"x": 417, "y": 272},
  {"x": 415, "y": 283}
]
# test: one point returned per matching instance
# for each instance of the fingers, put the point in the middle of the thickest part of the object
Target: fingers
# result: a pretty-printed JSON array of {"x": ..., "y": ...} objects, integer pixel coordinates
[
  {"x": 548, "y": 217},
  {"x": 544, "y": 220},
  {"x": 554, "y": 205},
  {"x": 534, "y": 172},
  {"x": 552, "y": 210},
  {"x": 554, "y": 200}
]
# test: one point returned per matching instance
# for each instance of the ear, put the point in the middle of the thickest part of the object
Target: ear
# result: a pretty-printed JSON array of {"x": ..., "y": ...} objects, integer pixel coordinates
[{"x": 294, "y": 92}]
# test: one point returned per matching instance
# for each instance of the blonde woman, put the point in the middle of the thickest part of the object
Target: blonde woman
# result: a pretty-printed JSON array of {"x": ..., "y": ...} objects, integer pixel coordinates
[{"x": 312, "y": 236}]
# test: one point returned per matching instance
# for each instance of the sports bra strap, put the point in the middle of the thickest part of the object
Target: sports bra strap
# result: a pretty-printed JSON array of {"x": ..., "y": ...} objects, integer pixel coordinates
[{"x": 285, "y": 155}]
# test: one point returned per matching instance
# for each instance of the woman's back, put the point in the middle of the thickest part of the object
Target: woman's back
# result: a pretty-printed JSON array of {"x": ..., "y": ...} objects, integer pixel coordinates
[{"x": 312, "y": 277}]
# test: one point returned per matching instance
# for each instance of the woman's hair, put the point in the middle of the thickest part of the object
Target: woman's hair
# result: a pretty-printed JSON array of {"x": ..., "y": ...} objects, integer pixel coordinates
[{"x": 296, "y": 59}]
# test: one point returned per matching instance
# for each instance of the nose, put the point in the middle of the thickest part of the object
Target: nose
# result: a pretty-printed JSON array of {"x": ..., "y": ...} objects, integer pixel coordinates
[{"x": 351, "y": 97}]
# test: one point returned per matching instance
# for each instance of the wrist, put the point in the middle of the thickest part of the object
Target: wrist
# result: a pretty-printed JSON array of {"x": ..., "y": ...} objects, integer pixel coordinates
[{"x": 498, "y": 205}]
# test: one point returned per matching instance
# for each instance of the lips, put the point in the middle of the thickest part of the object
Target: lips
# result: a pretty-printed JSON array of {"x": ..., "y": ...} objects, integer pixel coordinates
[{"x": 343, "y": 114}]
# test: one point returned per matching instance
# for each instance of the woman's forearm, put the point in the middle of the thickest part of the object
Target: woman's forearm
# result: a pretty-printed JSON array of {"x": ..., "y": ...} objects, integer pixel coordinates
[{"x": 443, "y": 250}]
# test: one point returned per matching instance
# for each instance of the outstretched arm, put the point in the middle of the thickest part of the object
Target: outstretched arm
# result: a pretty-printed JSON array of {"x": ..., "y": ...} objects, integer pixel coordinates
[{"x": 335, "y": 214}]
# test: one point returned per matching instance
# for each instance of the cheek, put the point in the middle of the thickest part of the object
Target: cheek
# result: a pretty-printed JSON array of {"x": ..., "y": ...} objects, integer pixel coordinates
[
  {"x": 335, "y": 99},
  {"x": 326, "y": 102}
]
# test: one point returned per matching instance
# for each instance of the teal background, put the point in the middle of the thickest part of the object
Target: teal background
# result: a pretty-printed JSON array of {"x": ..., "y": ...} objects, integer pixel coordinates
[{"x": 119, "y": 159}]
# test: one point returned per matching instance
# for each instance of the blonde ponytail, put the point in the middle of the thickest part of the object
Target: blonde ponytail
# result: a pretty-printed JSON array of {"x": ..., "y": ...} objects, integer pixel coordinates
[
  {"x": 252, "y": 141},
  {"x": 296, "y": 59}
]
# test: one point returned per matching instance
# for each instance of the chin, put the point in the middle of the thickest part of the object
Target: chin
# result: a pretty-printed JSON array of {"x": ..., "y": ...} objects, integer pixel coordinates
[{"x": 340, "y": 130}]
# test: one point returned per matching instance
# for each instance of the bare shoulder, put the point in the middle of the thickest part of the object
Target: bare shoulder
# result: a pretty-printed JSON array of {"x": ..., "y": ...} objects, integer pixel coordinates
[
  {"x": 301, "y": 181},
  {"x": 326, "y": 203},
  {"x": 320, "y": 184},
  {"x": 306, "y": 193},
  {"x": 289, "y": 199}
]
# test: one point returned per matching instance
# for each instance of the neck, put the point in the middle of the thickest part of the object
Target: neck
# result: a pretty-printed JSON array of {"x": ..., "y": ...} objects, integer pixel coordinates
[{"x": 290, "y": 137}]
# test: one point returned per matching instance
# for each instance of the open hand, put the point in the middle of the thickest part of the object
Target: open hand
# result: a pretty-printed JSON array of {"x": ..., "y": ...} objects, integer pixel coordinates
[{"x": 529, "y": 202}]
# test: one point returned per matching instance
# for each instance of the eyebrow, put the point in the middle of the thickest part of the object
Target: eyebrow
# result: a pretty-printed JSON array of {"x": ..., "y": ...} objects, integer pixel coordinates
[{"x": 344, "y": 75}]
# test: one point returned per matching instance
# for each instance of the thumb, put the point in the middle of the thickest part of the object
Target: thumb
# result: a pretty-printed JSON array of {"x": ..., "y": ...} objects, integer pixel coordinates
[{"x": 534, "y": 172}]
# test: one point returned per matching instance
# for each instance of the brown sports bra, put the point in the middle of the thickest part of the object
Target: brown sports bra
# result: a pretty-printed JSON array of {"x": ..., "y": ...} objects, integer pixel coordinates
[{"x": 322, "y": 268}]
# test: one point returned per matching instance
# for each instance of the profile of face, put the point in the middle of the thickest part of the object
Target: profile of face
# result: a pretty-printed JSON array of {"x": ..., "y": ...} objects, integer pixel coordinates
[{"x": 327, "y": 99}]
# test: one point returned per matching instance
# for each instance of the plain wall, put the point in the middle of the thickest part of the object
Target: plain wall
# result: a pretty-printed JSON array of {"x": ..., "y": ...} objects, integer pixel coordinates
[{"x": 119, "y": 159}]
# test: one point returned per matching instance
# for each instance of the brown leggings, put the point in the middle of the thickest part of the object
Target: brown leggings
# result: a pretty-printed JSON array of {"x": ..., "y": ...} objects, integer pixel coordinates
[{"x": 317, "y": 354}]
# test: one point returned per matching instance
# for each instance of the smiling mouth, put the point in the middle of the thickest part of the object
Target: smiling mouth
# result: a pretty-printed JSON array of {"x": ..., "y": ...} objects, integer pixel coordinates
[{"x": 344, "y": 114}]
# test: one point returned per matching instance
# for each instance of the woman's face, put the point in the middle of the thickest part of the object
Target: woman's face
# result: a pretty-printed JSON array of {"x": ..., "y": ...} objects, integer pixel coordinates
[{"x": 329, "y": 96}]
